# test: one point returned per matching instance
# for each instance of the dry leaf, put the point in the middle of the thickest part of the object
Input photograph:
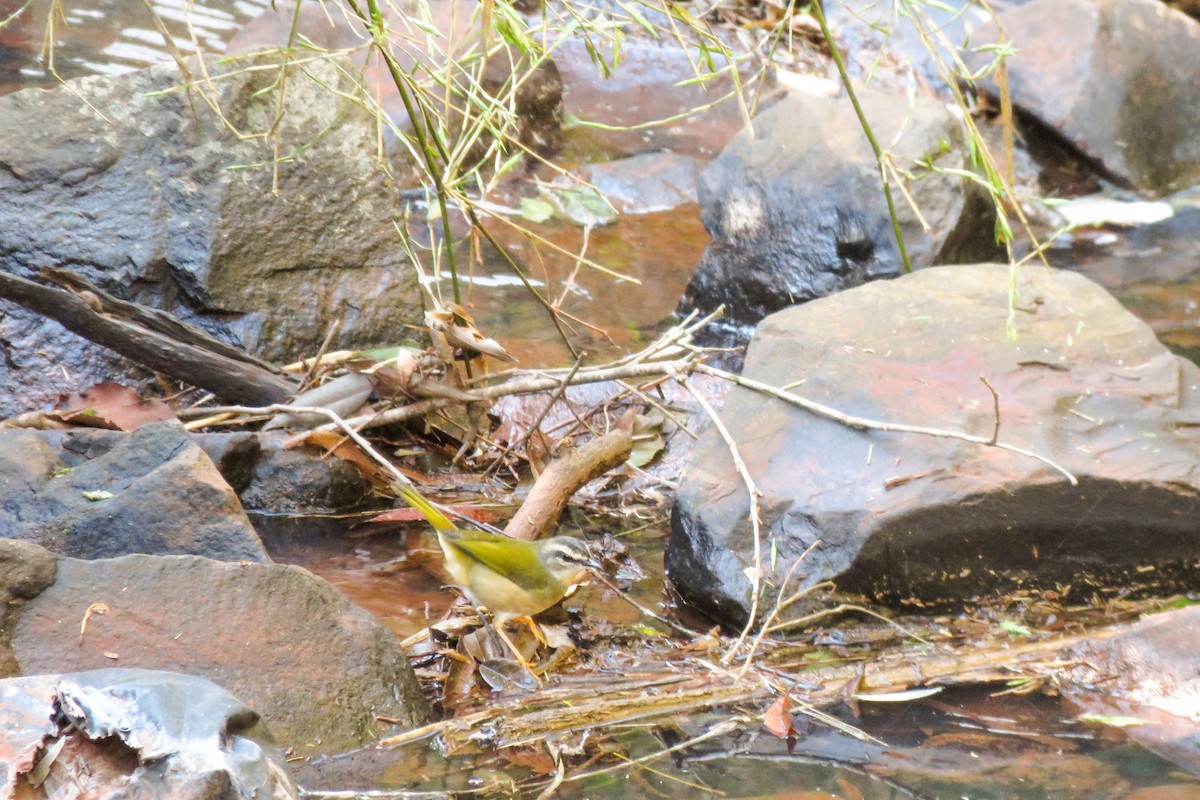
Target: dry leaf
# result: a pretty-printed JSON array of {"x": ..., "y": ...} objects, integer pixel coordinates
[
  {"x": 456, "y": 324},
  {"x": 94, "y": 608},
  {"x": 342, "y": 396},
  {"x": 111, "y": 406},
  {"x": 778, "y": 718}
]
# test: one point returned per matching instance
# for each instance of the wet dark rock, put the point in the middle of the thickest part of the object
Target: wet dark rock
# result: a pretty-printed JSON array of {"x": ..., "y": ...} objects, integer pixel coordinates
[
  {"x": 797, "y": 211},
  {"x": 1116, "y": 78},
  {"x": 146, "y": 204},
  {"x": 138, "y": 732},
  {"x": 272, "y": 480},
  {"x": 96, "y": 494},
  {"x": 317, "y": 668},
  {"x": 903, "y": 516},
  {"x": 300, "y": 480},
  {"x": 234, "y": 454}
]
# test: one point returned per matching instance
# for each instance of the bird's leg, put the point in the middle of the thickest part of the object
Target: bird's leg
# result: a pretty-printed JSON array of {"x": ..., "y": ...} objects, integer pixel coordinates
[
  {"x": 499, "y": 628},
  {"x": 533, "y": 628}
]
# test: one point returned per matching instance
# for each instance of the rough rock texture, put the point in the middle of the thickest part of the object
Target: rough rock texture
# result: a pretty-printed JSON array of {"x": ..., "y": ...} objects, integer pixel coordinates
[
  {"x": 166, "y": 495},
  {"x": 159, "y": 203},
  {"x": 797, "y": 211},
  {"x": 136, "y": 733},
  {"x": 1117, "y": 78},
  {"x": 273, "y": 480},
  {"x": 448, "y": 26},
  {"x": 286, "y": 481},
  {"x": 902, "y": 515},
  {"x": 317, "y": 668},
  {"x": 25, "y": 570}
]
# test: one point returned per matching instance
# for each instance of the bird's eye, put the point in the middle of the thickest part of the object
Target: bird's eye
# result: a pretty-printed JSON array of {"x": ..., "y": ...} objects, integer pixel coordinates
[{"x": 570, "y": 556}]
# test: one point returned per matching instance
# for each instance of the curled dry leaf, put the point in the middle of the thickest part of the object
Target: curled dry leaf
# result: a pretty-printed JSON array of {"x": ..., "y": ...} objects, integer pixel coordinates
[
  {"x": 456, "y": 324},
  {"x": 778, "y": 718},
  {"x": 94, "y": 608},
  {"x": 393, "y": 375},
  {"x": 110, "y": 405}
]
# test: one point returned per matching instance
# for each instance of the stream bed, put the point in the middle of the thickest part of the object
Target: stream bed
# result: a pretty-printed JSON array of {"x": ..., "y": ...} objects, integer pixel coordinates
[{"x": 971, "y": 743}]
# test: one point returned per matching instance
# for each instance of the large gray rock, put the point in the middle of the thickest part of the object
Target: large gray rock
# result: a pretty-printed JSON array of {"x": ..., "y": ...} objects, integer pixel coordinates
[
  {"x": 529, "y": 83},
  {"x": 901, "y": 516},
  {"x": 1116, "y": 78},
  {"x": 315, "y": 667},
  {"x": 136, "y": 733},
  {"x": 142, "y": 188},
  {"x": 797, "y": 211},
  {"x": 96, "y": 494}
]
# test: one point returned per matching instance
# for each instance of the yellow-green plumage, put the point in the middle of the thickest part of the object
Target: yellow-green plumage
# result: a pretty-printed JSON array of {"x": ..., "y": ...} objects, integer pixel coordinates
[{"x": 510, "y": 577}]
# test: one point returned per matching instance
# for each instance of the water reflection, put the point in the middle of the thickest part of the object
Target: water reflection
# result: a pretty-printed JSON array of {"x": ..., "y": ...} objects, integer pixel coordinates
[{"x": 109, "y": 37}]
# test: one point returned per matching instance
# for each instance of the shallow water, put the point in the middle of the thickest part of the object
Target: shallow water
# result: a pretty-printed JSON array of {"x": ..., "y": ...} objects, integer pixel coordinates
[{"x": 967, "y": 744}]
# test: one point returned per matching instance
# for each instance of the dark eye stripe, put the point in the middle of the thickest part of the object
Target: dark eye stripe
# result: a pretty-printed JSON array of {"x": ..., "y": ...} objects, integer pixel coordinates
[{"x": 570, "y": 553}]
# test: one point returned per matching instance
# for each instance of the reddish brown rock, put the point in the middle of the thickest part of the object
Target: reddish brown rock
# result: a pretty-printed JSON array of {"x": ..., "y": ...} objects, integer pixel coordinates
[
  {"x": 1147, "y": 673},
  {"x": 316, "y": 668},
  {"x": 897, "y": 515}
]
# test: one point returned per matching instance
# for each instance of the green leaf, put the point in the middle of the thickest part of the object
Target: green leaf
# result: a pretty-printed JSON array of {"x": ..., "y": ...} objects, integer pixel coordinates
[
  {"x": 535, "y": 209},
  {"x": 645, "y": 448},
  {"x": 1015, "y": 628},
  {"x": 579, "y": 204},
  {"x": 98, "y": 495}
]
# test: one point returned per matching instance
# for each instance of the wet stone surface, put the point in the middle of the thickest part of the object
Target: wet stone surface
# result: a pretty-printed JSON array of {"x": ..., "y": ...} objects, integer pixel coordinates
[{"x": 902, "y": 516}]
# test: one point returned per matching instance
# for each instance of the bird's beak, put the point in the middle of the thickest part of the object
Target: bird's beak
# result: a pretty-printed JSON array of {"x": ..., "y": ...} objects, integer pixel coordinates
[{"x": 594, "y": 565}]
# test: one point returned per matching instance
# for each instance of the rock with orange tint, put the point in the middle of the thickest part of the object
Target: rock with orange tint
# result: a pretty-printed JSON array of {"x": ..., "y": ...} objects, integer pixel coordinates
[
  {"x": 315, "y": 667},
  {"x": 901, "y": 516}
]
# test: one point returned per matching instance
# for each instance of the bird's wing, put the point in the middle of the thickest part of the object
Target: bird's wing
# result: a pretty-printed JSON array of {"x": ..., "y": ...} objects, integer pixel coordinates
[{"x": 513, "y": 559}]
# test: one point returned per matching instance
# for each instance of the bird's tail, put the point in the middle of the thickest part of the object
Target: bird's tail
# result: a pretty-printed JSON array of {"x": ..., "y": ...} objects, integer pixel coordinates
[{"x": 428, "y": 510}]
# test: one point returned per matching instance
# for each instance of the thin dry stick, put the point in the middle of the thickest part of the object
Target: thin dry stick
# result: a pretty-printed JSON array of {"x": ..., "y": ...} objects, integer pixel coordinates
[
  {"x": 334, "y": 327},
  {"x": 871, "y": 424},
  {"x": 640, "y": 393},
  {"x": 755, "y": 518},
  {"x": 996, "y": 409},
  {"x": 720, "y": 729},
  {"x": 779, "y": 600},
  {"x": 554, "y": 398}
]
